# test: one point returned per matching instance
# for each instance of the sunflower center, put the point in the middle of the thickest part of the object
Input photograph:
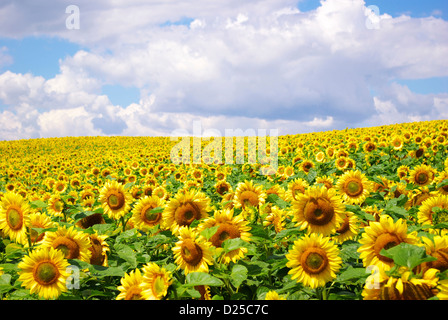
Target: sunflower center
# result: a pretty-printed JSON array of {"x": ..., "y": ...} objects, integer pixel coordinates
[
  {"x": 68, "y": 246},
  {"x": 191, "y": 252},
  {"x": 186, "y": 214},
  {"x": 116, "y": 200},
  {"x": 422, "y": 178},
  {"x": 314, "y": 260},
  {"x": 148, "y": 216},
  {"x": 134, "y": 293},
  {"x": 440, "y": 216},
  {"x": 45, "y": 273},
  {"x": 57, "y": 206},
  {"x": 385, "y": 241},
  {"x": 319, "y": 211},
  {"x": 344, "y": 227},
  {"x": 14, "y": 217},
  {"x": 225, "y": 231},
  {"x": 353, "y": 188},
  {"x": 249, "y": 198},
  {"x": 158, "y": 286}
]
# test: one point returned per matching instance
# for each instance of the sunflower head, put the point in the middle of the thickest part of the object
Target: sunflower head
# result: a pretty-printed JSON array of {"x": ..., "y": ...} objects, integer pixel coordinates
[
  {"x": 314, "y": 260},
  {"x": 319, "y": 210},
  {"x": 115, "y": 200},
  {"x": 354, "y": 187},
  {"x": 43, "y": 271}
]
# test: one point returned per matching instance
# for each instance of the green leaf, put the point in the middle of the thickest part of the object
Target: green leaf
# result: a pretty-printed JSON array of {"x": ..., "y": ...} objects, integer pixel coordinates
[
  {"x": 38, "y": 204},
  {"x": 209, "y": 232},
  {"x": 407, "y": 255},
  {"x": 233, "y": 244},
  {"x": 238, "y": 275},
  {"x": 126, "y": 253},
  {"x": 202, "y": 279}
]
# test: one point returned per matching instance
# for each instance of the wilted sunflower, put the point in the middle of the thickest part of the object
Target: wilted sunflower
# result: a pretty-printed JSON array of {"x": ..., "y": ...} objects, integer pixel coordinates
[
  {"x": 427, "y": 213},
  {"x": 247, "y": 194},
  {"x": 74, "y": 244},
  {"x": 191, "y": 252},
  {"x": 144, "y": 216},
  {"x": 421, "y": 175},
  {"x": 14, "y": 217},
  {"x": 229, "y": 227},
  {"x": 314, "y": 260},
  {"x": 184, "y": 208},
  {"x": 132, "y": 287},
  {"x": 404, "y": 288},
  {"x": 354, "y": 187},
  {"x": 156, "y": 281},
  {"x": 43, "y": 271},
  {"x": 115, "y": 200},
  {"x": 380, "y": 235},
  {"x": 318, "y": 210}
]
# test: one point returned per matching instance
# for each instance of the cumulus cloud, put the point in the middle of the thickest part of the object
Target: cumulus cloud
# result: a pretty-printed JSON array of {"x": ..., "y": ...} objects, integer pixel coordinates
[{"x": 236, "y": 64}]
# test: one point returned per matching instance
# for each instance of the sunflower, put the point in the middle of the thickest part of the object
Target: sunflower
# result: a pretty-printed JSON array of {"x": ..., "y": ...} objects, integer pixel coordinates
[
  {"x": 156, "y": 281},
  {"x": 55, "y": 205},
  {"x": 39, "y": 220},
  {"x": 318, "y": 210},
  {"x": 341, "y": 163},
  {"x": 421, "y": 175},
  {"x": 276, "y": 218},
  {"x": 99, "y": 248},
  {"x": 273, "y": 295},
  {"x": 229, "y": 227},
  {"x": 43, "y": 271},
  {"x": 186, "y": 207},
  {"x": 442, "y": 176},
  {"x": 428, "y": 215},
  {"x": 142, "y": 216},
  {"x": 74, "y": 244},
  {"x": 60, "y": 186},
  {"x": 14, "y": 217},
  {"x": 115, "y": 200},
  {"x": 354, "y": 187},
  {"x": 132, "y": 286},
  {"x": 296, "y": 187},
  {"x": 326, "y": 181},
  {"x": 314, "y": 260},
  {"x": 306, "y": 166},
  {"x": 380, "y": 235},
  {"x": 246, "y": 194},
  {"x": 222, "y": 187},
  {"x": 348, "y": 229},
  {"x": 204, "y": 291},
  {"x": 397, "y": 142},
  {"x": 404, "y": 287},
  {"x": 191, "y": 252},
  {"x": 91, "y": 220}
]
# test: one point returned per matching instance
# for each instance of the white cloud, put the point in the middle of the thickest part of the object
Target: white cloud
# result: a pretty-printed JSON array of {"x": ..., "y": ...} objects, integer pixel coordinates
[{"x": 243, "y": 64}]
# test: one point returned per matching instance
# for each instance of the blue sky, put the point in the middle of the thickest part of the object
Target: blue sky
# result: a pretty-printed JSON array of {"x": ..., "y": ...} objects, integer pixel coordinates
[{"x": 147, "y": 70}]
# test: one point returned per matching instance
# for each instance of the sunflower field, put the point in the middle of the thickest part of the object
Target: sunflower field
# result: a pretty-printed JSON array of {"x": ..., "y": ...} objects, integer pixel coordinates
[{"x": 355, "y": 214}]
